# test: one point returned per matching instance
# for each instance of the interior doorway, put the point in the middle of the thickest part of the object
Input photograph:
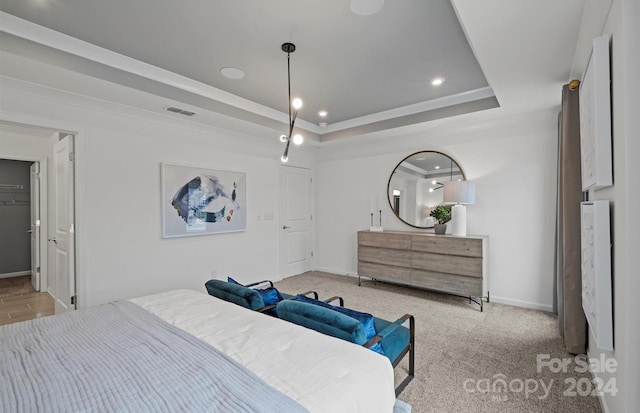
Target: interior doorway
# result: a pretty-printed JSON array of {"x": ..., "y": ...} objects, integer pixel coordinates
[
  {"x": 50, "y": 226},
  {"x": 20, "y": 243},
  {"x": 18, "y": 206}
]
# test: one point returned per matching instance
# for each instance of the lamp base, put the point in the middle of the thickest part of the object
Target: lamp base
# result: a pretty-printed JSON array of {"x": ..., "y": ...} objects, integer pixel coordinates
[
  {"x": 376, "y": 229},
  {"x": 459, "y": 220}
]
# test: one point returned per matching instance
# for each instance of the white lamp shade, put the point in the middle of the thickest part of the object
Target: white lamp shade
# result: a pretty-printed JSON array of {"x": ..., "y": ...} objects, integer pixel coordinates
[{"x": 459, "y": 192}]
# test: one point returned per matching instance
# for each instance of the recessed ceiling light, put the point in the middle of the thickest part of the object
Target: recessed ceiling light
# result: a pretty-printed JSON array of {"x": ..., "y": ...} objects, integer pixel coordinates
[
  {"x": 366, "y": 7},
  {"x": 323, "y": 113},
  {"x": 437, "y": 81},
  {"x": 437, "y": 167},
  {"x": 232, "y": 73}
]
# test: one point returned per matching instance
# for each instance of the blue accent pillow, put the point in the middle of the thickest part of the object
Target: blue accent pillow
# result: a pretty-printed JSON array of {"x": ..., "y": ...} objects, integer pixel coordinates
[
  {"x": 365, "y": 319},
  {"x": 234, "y": 293},
  {"x": 269, "y": 295},
  {"x": 323, "y": 320}
]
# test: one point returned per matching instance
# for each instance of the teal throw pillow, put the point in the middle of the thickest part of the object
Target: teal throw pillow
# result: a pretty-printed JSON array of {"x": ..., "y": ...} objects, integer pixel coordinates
[
  {"x": 365, "y": 319},
  {"x": 269, "y": 295}
]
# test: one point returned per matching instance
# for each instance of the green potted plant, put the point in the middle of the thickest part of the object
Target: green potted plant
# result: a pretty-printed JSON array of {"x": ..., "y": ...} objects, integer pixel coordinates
[{"x": 442, "y": 215}]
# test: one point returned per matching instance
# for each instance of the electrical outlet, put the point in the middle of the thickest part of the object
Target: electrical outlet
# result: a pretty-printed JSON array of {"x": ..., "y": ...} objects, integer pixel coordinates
[{"x": 214, "y": 273}]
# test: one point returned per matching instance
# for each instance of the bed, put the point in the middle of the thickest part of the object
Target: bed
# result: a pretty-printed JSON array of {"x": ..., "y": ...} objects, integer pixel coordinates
[{"x": 188, "y": 351}]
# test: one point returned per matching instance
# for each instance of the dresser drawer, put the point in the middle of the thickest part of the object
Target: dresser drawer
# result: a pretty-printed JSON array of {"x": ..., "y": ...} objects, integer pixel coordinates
[
  {"x": 384, "y": 240},
  {"x": 398, "y": 258},
  {"x": 454, "y": 284},
  {"x": 398, "y": 275},
  {"x": 449, "y": 264},
  {"x": 468, "y": 247}
]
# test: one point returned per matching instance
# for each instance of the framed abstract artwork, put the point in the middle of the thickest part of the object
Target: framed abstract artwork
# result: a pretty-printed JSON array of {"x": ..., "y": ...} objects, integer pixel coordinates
[
  {"x": 199, "y": 201},
  {"x": 595, "y": 118},
  {"x": 597, "y": 301}
]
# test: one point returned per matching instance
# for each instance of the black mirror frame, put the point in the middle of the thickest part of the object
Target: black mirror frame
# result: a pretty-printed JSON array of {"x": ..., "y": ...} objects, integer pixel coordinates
[{"x": 394, "y": 170}]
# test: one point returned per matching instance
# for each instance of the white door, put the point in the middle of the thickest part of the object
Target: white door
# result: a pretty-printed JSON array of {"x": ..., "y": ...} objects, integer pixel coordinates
[
  {"x": 35, "y": 225},
  {"x": 63, "y": 239},
  {"x": 295, "y": 222}
]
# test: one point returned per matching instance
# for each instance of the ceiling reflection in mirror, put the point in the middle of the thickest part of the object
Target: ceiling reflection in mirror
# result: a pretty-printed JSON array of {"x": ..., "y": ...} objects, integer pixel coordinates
[{"x": 416, "y": 186}]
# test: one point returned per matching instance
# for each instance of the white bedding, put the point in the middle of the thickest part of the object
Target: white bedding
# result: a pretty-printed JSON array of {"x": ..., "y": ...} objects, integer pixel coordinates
[{"x": 322, "y": 373}]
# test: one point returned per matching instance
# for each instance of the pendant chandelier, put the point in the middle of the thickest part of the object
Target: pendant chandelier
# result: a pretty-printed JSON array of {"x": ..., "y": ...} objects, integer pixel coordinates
[{"x": 294, "y": 105}]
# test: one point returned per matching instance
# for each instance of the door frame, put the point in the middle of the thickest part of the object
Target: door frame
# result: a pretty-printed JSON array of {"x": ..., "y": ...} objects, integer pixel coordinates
[
  {"x": 79, "y": 133},
  {"x": 281, "y": 219},
  {"x": 35, "y": 211}
]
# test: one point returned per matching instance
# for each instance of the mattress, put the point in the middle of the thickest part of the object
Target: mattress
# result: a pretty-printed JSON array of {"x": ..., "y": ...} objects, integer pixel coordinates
[
  {"x": 322, "y": 373},
  {"x": 118, "y": 357}
]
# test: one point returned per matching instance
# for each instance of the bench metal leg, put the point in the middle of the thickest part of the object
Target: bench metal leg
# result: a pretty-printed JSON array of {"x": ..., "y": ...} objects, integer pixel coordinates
[{"x": 411, "y": 351}]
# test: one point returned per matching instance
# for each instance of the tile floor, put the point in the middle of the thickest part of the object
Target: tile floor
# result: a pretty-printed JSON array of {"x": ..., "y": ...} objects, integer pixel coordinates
[{"x": 20, "y": 302}]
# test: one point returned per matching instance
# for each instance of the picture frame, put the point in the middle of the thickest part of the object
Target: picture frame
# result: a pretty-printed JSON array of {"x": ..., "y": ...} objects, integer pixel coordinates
[
  {"x": 595, "y": 118},
  {"x": 597, "y": 301},
  {"x": 202, "y": 201}
]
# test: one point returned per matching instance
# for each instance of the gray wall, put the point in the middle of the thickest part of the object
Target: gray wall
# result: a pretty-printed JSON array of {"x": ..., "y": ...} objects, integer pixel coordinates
[{"x": 15, "y": 241}]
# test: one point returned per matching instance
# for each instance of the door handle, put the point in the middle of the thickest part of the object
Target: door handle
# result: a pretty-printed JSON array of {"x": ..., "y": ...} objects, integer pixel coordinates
[
  {"x": 53, "y": 239},
  {"x": 30, "y": 231},
  {"x": 285, "y": 227}
]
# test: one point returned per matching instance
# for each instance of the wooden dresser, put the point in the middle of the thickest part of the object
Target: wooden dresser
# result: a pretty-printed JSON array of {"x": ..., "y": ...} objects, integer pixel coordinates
[{"x": 454, "y": 265}]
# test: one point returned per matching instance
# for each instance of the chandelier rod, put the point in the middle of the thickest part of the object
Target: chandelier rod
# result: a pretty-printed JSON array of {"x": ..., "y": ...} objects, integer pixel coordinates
[
  {"x": 292, "y": 109},
  {"x": 289, "y": 88}
]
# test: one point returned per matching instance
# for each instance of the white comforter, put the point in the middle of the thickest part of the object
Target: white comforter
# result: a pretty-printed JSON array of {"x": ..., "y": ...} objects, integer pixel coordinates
[{"x": 322, "y": 373}]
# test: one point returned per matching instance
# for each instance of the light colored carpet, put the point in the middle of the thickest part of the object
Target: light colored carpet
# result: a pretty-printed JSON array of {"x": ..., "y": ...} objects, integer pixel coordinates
[{"x": 461, "y": 353}]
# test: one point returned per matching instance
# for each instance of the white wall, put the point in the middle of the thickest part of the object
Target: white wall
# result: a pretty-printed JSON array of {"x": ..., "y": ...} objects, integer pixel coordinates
[
  {"x": 622, "y": 24},
  {"x": 22, "y": 144},
  {"x": 120, "y": 250},
  {"x": 513, "y": 161}
]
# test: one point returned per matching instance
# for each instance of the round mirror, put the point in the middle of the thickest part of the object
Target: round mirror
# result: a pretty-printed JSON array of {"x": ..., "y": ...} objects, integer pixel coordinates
[{"x": 416, "y": 186}]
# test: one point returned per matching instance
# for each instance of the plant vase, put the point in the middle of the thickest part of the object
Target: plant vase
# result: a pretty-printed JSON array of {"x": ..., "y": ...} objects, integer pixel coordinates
[{"x": 440, "y": 228}]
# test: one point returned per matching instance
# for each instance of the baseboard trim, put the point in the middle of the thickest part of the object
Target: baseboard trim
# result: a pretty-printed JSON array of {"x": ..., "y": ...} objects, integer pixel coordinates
[
  {"x": 337, "y": 272},
  {"x": 594, "y": 375},
  {"x": 601, "y": 398},
  {"x": 520, "y": 303},
  {"x": 603, "y": 404},
  {"x": 14, "y": 274}
]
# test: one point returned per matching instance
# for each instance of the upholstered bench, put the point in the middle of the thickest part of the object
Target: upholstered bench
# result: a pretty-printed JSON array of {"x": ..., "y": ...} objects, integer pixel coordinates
[{"x": 392, "y": 339}]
